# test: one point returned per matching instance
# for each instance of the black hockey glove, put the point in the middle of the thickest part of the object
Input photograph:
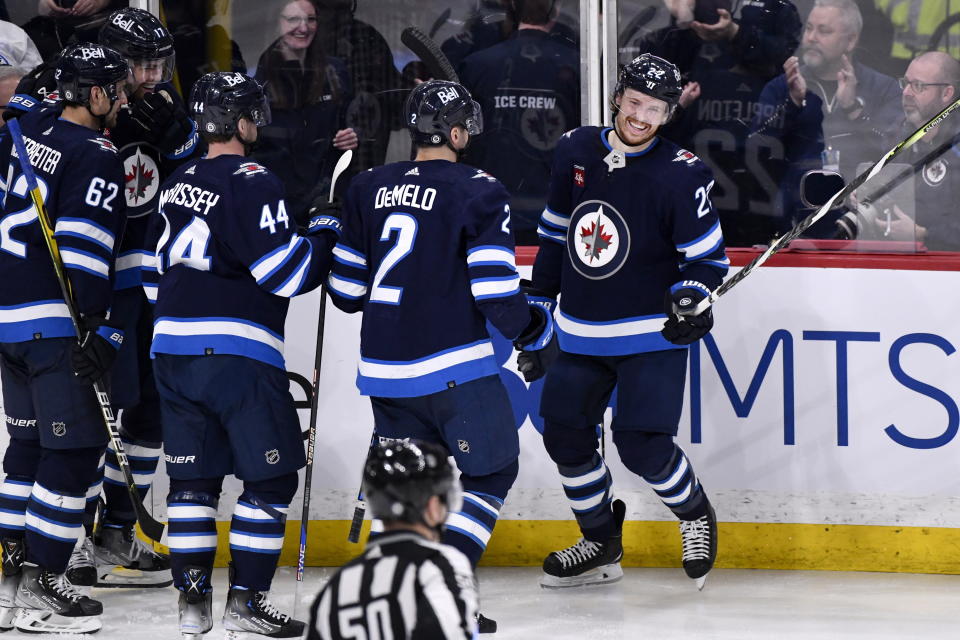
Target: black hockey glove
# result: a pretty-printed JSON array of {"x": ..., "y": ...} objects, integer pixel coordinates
[
  {"x": 165, "y": 124},
  {"x": 538, "y": 296},
  {"x": 682, "y": 327},
  {"x": 537, "y": 344},
  {"x": 32, "y": 89},
  {"x": 324, "y": 216},
  {"x": 94, "y": 354}
]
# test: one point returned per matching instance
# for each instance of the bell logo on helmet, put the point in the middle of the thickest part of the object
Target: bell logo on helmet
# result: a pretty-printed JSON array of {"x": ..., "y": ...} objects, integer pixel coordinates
[
  {"x": 88, "y": 53},
  {"x": 234, "y": 79},
  {"x": 447, "y": 94},
  {"x": 120, "y": 22}
]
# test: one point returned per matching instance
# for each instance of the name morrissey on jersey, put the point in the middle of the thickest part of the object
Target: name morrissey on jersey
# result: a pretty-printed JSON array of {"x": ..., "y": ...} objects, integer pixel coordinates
[
  {"x": 41, "y": 156},
  {"x": 189, "y": 196},
  {"x": 405, "y": 195}
]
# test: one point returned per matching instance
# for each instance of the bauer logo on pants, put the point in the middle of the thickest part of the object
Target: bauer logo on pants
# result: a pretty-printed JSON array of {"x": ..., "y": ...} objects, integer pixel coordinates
[{"x": 598, "y": 240}]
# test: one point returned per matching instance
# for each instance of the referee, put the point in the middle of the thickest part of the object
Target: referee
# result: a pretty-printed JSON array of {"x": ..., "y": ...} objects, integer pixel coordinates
[{"x": 406, "y": 584}]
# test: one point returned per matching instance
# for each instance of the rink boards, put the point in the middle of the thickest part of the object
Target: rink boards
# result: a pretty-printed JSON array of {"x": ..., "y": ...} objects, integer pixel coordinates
[{"x": 821, "y": 416}]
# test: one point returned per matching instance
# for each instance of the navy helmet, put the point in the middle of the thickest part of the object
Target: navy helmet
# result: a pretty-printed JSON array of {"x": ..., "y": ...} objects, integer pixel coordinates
[
  {"x": 218, "y": 100},
  {"x": 653, "y": 76},
  {"x": 435, "y": 107},
  {"x": 140, "y": 37},
  {"x": 86, "y": 65},
  {"x": 400, "y": 477}
]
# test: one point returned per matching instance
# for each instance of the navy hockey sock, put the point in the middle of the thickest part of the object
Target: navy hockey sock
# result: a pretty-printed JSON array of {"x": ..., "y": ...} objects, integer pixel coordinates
[
  {"x": 257, "y": 529},
  {"x": 192, "y": 528},
  {"x": 469, "y": 529},
  {"x": 143, "y": 457},
  {"x": 589, "y": 488},
  {"x": 93, "y": 499},
  {"x": 677, "y": 486},
  {"x": 14, "y": 492}
]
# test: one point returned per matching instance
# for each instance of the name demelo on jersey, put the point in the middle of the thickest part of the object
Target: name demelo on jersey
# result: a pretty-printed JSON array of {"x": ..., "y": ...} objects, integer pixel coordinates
[
  {"x": 405, "y": 195},
  {"x": 600, "y": 241}
]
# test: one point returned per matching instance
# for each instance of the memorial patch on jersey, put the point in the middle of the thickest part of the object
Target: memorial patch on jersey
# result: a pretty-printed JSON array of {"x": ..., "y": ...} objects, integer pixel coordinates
[
  {"x": 141, "y": 177},
  {"x": 250, "y": 169},
  {"x": 579, "y": 175},
  {"x": 104, "y": 144},
  {"x": 598, "y": 240}
]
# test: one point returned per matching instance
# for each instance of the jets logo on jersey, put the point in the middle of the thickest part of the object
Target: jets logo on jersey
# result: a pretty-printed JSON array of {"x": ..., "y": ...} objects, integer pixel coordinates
[
  {"x": 685, "y": 156},
  {"x": 249, "y": 169},
  {"x": 104, "y": 144},
  {"x": 142, "y": 177},
  {"x": 599, "y": 240},
  {"x": 934, "y": 172},
  {"x": 484, "y": 174}
]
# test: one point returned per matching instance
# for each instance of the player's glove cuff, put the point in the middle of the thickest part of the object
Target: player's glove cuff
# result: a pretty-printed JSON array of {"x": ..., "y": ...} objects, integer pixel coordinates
[
  {"x": 684, "y": 297},
  {"x": 538, "y": 297},
  {"x": 94, "y": 353}
]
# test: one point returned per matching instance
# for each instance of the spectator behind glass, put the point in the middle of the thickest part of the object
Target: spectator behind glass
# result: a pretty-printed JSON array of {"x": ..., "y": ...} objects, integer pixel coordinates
[
  {"x": 834, "y": 109},
  {"x": 529, "y": 90},
  {"x": 730, "y": 61},
  {"x": 59, "y": 25},
  {"x": 308, "y": 93}
]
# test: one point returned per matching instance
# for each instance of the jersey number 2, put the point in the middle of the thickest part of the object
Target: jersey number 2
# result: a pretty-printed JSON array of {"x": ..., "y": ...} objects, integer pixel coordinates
[{"x": 406, "y": 227}]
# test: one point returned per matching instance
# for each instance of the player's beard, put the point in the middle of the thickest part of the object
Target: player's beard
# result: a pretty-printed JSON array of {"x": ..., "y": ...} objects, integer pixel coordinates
[{"x": 630, "y": 136}]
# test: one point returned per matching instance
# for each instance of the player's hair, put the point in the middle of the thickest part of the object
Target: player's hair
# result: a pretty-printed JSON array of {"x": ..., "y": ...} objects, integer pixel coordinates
[
  {"x": 849, "y": 12},
  {"x": 6, "y": 71},
  {"x": 538, "y": 12}
]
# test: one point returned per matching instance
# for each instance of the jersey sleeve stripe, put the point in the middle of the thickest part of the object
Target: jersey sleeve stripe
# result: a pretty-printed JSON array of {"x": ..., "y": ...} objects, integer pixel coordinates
[
  {"x": 704, "y": 245},
  {"x": 150, "y": 290},
  {"x": 484, "y": 288},
  {"x": 348, "y": 256},
  {"x": 81, "y": 228},
  {"x": 86, "y": 262},
  {"x": 554, "y": 219},
  {"x": 269, "y": 263},
  {"x": 719, "y": 264},
  {"x": 294, "y": 283},
  {"x": 352, "y": 289},
  {"x": 487, "y": 255},
  {"x": 551, "y": 235},
  {"x": 134, "y": 260}
]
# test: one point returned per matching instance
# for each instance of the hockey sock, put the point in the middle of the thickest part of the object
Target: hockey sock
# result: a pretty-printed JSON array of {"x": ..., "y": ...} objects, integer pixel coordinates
[
  {"x": 677, "y": 486},
  {"x": 143, "y": 457},
  {"x": 192, "y": 528},
  {"x": 93, "y": 500},
  {"x": 589, "y": 488},
  {"x": 14, "y": 493},
  {"x": 257, "y": 530},
  {"x": 56, "y": 506},
  {"x": 470, "y": 528}
]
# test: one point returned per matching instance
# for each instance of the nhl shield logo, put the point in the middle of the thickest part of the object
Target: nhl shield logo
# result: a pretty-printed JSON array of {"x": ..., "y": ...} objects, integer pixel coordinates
[
  {"x": 463, "y": 445},
  {"x": 272, "y": 456},
  {"x": 59, "y": 429},
  {"x": 598, "y": 240}
]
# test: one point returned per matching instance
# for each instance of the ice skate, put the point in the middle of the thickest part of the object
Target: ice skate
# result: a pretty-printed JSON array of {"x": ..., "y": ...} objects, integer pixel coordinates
[
  {"x": 250, "y": 613},
  {"x": 699, "y": 545},
  {"x": 587, "y": 562},
  {"x": 82, "y": 568},
  {"x": 42, "y": 593},
  {"x": 196, "y": 616},
  {"x": 126, "y": 561},
  {"x": 485, "y": 624},
  {"x": 12, "y": 570}
]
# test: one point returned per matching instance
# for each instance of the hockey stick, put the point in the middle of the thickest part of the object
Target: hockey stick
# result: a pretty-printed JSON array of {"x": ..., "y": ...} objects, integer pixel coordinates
[
  {"x": 360, "y": 510},
  {"x": 428, "y": 52},
  {"x": 342, "y": 163},
  {"x": 150, "y": 527},
  {"x": 777, "y": 244}
]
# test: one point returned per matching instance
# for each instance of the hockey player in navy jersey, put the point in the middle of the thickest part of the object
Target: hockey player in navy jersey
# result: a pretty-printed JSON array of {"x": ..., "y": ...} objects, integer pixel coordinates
[
  {"x": 154, "y": 135},
  {"x": 228, "y": 260},
  {"x": 427, "y": 254},
  {"x": 56, "y": 429},
  {"x": 628, "y": 230}
]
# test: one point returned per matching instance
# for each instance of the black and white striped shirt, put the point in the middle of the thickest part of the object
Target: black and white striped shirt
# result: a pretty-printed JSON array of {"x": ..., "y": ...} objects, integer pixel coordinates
[{"x": 403, "y": 587}]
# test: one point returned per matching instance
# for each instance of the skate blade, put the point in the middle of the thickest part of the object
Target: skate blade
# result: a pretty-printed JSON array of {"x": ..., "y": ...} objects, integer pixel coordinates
[
  {"x": 702, "y": 580},
  {"x": 601, "y": 575},
  {"x": 123, "y": 578},
  {"x": 40, "y": 621}
]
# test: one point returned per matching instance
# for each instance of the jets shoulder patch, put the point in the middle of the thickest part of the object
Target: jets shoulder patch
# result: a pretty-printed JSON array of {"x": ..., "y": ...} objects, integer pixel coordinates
[
  {"x": 483, "y": 174},
  {"x": 104, "y": 144},
  {"x": 250, "y": 169},
  {"x": 686, "y": 156}
]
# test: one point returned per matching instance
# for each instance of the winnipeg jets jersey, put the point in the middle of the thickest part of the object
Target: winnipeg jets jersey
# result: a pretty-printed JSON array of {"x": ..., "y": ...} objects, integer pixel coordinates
[
  {"x": 144, "y": 169},
  {"x": 614, "y": 241},
  {"x": 227, "y": 259},
  {"x": 427, "y": 253},
  {"x": 81, "y": 179}
]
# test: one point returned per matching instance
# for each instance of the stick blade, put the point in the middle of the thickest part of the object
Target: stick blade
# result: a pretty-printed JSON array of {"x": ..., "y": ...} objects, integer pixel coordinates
[
  {"x": 150, "y": 527},
  {"x": 357, "y": 523},
  {"x": 427, "y": 50}
]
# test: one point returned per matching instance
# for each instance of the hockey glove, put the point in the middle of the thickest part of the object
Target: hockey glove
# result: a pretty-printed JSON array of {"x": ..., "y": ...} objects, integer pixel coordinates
[
  {"x": 538, "y": 296},
  {"x": 32, "y": 89},
  {"x": 537, "y": 344},
  {"x": 165, "y": 125},
  {"x": 324, "y": 216},
  {"x": 93, "y": 355},
  {"x": 682, "y": 327}
]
